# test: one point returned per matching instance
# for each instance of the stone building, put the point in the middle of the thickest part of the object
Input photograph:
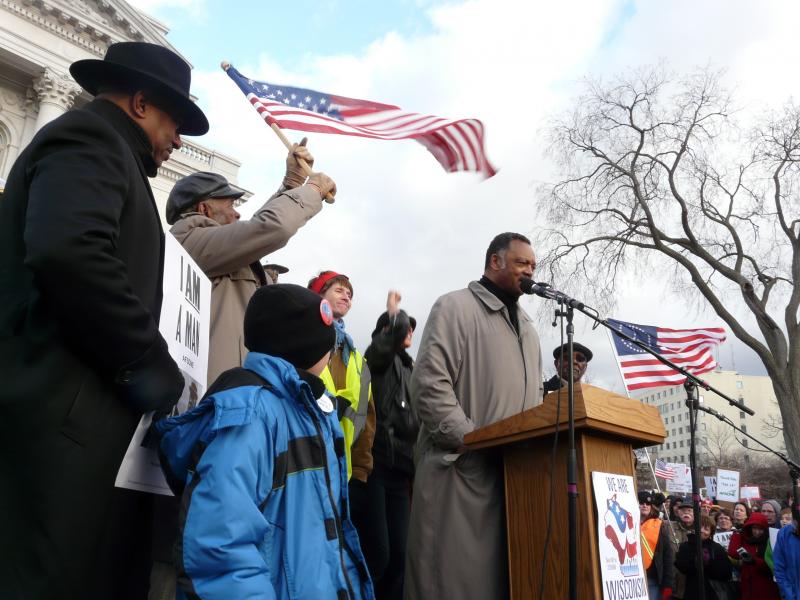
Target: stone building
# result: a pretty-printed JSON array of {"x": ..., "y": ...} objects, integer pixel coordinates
[
  {"x": 39, "y": 39},
  {"x": 717, "y": 441}
]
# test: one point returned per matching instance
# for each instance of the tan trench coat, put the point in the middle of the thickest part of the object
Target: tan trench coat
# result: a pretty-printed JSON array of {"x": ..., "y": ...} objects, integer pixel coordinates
[
  {"x": 225, "y": 253},
  {"x": 472, "y": 369}
]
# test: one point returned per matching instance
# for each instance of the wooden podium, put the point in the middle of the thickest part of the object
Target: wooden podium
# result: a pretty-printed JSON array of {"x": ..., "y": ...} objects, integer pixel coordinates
[{"x": 607, "y": 427}]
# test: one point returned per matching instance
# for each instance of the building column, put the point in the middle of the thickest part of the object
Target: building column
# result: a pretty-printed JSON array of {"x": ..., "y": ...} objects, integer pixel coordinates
[
  {"x": 29, "y": 128},
  {"x": 56, "y": 93}
]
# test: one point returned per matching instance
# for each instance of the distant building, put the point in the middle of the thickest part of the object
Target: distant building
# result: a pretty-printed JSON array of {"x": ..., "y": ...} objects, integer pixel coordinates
[
  {"x": 39, "y": 39},
  {"x": 716, "y": 439}
]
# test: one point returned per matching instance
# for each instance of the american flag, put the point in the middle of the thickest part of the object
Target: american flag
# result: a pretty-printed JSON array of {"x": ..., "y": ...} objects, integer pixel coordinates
[
  {"x": 662, "y": 469},
  {"x": 458, "y": 145},
  {"x": 687, "y": 348}
]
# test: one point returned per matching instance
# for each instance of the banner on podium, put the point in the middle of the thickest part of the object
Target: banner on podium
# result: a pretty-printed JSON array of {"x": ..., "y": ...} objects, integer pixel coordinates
[{"x": 621, "y": 567}]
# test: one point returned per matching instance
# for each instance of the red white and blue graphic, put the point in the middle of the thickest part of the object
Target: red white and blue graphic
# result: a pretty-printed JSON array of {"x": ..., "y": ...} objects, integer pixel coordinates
[
  {"x": 326, "y": 312},
  {"x": 621, "y": 530},
  {"x": 691, "y": 349},
  {"x": 618, "y": 542},
  {"x": 458, "y": 144}
]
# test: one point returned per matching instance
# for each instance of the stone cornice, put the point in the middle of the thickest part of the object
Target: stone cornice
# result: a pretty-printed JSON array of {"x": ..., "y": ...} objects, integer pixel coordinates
[
  {"x": 93, "y": 40},
  {"x": 89, "y": 24}
]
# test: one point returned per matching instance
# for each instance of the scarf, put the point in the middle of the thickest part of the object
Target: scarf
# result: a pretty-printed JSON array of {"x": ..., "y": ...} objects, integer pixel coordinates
[
  {"x": 343, "y": 341},
  {"x": 509, "y": 300}
]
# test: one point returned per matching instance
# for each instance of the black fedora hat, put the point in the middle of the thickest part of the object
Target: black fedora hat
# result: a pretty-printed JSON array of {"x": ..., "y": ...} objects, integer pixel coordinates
[{"x": 157, "y": 67}]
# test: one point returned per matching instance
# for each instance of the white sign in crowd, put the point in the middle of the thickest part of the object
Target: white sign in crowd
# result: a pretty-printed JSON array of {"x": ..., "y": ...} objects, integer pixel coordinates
[
  {"x": 184, "y": 324},
  {"x": 682, "y": 482},
  {"x": 727, "y": 485},
  {"x": 711, "y": 487}
]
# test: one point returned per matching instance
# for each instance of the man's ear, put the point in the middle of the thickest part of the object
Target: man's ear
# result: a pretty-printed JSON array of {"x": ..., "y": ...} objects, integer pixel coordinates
[
  {"x": 139, "y": 104},
  {"x": 203, "y": 208}
]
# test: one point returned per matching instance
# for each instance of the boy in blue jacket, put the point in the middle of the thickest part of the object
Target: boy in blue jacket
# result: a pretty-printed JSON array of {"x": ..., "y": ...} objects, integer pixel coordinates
[{"x": 260, "y": 465}]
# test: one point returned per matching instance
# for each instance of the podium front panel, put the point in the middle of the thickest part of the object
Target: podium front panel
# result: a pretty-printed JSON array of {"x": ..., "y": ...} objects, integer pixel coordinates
[{"x": 527, "y": 496}]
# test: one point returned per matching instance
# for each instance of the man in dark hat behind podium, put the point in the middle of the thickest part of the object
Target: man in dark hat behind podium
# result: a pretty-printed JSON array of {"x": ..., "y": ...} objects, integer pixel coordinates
[
  {"x": 81, "y": 358},
  {"x": 581, "y": 355}
]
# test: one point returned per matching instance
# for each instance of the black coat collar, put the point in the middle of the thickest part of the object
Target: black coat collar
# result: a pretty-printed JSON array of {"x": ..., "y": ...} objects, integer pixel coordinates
[
  {"x": 129, "y": 130},
  {"x": 316, "y": 384}
]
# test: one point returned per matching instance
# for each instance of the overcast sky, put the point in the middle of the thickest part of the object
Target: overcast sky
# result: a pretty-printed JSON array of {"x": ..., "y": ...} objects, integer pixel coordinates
[{"x": 399, "y": 220}]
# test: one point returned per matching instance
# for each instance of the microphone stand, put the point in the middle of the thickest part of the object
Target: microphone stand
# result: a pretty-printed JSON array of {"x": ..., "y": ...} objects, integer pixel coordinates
[
  {"x": 566, "y": 310},
  {"x": 794, "y": 468},
  {"x": 692, "y": 403},
  {"x": 566, "y": 307}
]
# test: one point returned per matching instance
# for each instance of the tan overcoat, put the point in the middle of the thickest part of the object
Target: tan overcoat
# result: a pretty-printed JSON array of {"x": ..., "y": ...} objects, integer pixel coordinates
[
  {"x": 225, "y": 253},
  {"x": 472, "y": 369}
]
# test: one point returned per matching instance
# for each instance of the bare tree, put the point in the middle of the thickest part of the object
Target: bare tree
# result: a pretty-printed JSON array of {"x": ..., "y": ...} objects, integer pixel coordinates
[
  {"x": 658, "y": 176},
  {"x": 718, "y": 447}
]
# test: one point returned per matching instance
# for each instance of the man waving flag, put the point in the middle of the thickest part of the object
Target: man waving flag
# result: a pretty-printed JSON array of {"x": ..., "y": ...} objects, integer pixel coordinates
[{"x": 458, "y": 145}]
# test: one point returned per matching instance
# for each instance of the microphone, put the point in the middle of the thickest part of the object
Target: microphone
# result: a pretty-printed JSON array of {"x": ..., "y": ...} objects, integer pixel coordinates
[{"x": 529, "y": 286}]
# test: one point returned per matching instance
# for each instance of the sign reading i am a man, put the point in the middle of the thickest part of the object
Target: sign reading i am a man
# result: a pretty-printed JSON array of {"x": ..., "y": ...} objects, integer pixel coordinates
[{"x": 184, "y": 324}]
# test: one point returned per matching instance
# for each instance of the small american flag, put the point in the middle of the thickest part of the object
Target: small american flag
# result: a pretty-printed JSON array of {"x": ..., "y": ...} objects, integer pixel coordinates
[
  {"x": 688, "y": 348},
  {"x": 662, "y": 469},
  {"x": 458, "y": 145}
]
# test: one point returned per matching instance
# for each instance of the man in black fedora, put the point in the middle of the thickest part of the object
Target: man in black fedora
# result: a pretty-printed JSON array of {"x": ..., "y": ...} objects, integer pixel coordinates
[
  {"x": 81, "y": 358},
  {"x": 581, "y": 355}
]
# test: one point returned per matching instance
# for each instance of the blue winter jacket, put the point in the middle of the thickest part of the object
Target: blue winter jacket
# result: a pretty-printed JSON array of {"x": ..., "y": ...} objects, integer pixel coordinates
[
  {"x": 786, "y": 563},
  {"x": 264, "y": 511}
]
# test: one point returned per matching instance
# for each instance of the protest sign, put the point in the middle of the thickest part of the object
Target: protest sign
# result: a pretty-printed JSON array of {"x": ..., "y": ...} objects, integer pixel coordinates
[
  {"x": 773, "y": 537},
  {"x": 750, "y": 492},
  {"x": 711, "y": 486},
  {"x": 184, "y": 324},
  {"x": 621, "y": 567},
  {"x": 723, "y": 538},
  {"x": 727, "y": 485},
  {"x": 682, "y": 482}
]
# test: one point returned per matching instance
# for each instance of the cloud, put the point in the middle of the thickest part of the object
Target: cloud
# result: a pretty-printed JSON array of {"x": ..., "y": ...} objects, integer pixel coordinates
[
  {"x": 196, "y": 10},
  {"x": 401, "y": 222}
]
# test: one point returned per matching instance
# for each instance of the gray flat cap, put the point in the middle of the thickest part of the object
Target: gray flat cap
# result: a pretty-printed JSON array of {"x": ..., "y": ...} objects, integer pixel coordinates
[{"x": 195, "y": 188}]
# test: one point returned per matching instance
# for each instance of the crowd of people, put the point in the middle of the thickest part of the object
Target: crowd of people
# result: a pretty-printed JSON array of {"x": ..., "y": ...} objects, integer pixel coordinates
[
  {"x": 309, "y": 469},
  {"x": 742, "y": 565}
]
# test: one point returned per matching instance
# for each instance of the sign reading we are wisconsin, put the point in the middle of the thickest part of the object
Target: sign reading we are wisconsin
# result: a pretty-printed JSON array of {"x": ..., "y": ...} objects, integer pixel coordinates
[
  {"x": 621, "y": 567},
  {"x": 184, "y": 324}
]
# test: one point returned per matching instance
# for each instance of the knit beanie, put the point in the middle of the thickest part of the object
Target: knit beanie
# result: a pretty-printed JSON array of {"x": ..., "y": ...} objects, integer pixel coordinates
[
  {"x": 290, "y": 322},
  {"x": 402, "y": 319},
  {"x": 776, "y": 506}
]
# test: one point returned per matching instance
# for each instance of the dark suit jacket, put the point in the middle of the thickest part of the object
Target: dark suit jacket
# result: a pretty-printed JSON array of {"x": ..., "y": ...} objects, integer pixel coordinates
[{"x": 81, "y": 260}]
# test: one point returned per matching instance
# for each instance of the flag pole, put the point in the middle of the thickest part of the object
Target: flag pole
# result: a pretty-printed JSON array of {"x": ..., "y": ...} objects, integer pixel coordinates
[
  {"x": 652, "y": 470},
  {"x": 279, "y": 132},
  {"x": 627, "y": 393},
  {"x": 616, "y": 359}
]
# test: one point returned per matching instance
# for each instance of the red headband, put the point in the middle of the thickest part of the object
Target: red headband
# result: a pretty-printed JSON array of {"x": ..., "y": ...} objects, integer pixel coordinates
[{"x": 317, "y": 284}]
